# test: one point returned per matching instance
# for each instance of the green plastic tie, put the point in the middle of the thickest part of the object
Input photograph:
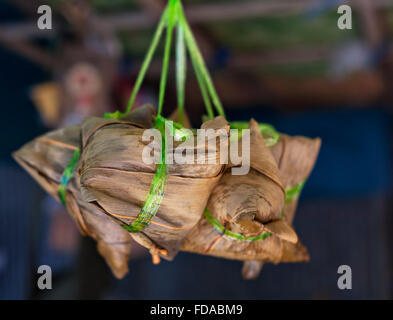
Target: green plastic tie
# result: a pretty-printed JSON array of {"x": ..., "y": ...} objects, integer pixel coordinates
[
  {"x": 172, "y": 19},
  {"x": 67, "y": 175},
  {"x": 271, "y": 135},
  {"x": 224, "y": 231},
  {"x": 181, "y": 71},
  {"x": 199, "y": 63},
  {"x": 291, "y": 194},
  {"x": 157, "y": 187}
]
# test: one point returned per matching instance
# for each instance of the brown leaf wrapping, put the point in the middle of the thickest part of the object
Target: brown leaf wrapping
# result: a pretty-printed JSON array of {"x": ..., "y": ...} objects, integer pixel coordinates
[
  {"x": 258, "y": 194},
  {"x": 236, "y": 203},
  {"x": 114, "y": 179},
  {"x": 247, "y": 204},
  {"x": 45, "y": 159}
]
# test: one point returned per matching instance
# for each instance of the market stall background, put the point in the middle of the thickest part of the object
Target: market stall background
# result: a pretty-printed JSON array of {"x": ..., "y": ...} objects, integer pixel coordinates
[{"x": 281, "y": 62}]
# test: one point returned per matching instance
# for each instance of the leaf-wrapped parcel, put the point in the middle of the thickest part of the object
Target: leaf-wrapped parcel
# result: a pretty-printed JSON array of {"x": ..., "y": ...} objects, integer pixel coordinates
[
  {"x": 115, "y": 178},
  {"x": 243, "y": 219},
  {"x": 45, "y": 159},
  {"x": 48, "y": 157}
]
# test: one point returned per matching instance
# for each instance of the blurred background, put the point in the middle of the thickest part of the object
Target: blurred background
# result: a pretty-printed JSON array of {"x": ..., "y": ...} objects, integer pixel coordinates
[{"x": 284, "y": 62}]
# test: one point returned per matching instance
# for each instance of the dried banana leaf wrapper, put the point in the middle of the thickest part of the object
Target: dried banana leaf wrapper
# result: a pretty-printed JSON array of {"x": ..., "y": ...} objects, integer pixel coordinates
[
  {"x": 258, "y": 195},
  {"x": 46, "y": 159},
  {"x": 295, "y": 157},
  {"x": 280, "y": 243},
  {"x": 242, "y": 220},
  {"x": 115, "y": 178}
]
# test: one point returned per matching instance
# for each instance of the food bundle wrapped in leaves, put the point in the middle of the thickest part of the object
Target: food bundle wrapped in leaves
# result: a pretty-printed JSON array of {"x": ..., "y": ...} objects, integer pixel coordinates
[
  {"x": 158, "y": 204},
  {"x": 56, "y": 159},
  {"x": 248, "y": 217},
  {"x": 51, "y": 160}
]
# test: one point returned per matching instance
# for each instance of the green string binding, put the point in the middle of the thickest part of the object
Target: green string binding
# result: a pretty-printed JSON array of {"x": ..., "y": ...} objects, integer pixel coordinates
[
  {"x": 172, "y": 19},
  {"x": 67, "y": 175},
  {"x": 157, "y": 187},
  {"x": 181, "y": 71},
  {"x": 237, "y": 236},
  {"x": 199, "y": 65},
  {"x": 174, "y": 16},
  {"x": 291, "y": 194},
  {"x": 271, "y": 135}
]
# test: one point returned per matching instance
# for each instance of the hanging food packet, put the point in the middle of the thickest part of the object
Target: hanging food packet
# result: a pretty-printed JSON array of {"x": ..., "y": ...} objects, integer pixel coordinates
[
  {"x": 52, "y": 160},
  {"x": 295, "y": 157},
  {"x": 157, "y": 203},
  {"x": 242, "y": 220}
]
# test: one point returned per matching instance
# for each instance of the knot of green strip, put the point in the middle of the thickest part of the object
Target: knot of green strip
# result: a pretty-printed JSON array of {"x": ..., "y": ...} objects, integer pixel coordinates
[
  {"x": 67, "y": 175},
  {"x": 157, "y": 187},
  {"x": 224, "y": 231},
  {"x": 291, "y": 194},
  {"x": 270, "y": 134},
  {"x": 152, "y": 202}
]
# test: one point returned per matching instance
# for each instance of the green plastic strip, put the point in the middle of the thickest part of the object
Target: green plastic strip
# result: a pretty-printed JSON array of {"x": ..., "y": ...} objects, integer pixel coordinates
[
  {"x": 238, "y": 236},
  {"x": 197, "y": 56},
  {"x": 271, "y": 135},
  {"x": 181, "y": 71},
  {"x": 67, "y": 175},
  {"x": 202, "y": 86},
  {"x": 148, "y": 58},
  {"x": 172, "y": 18},
  {"x": 157, "y": 187},
  {"x": 291, "y": 194}
]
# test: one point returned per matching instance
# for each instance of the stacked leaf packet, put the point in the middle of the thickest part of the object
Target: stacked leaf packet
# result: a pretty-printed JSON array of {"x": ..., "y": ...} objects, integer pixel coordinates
[
  {"x": 97, "y": 170},
  {"x": 249, "y": 217},
  {"x": 52, "y": 160}
]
